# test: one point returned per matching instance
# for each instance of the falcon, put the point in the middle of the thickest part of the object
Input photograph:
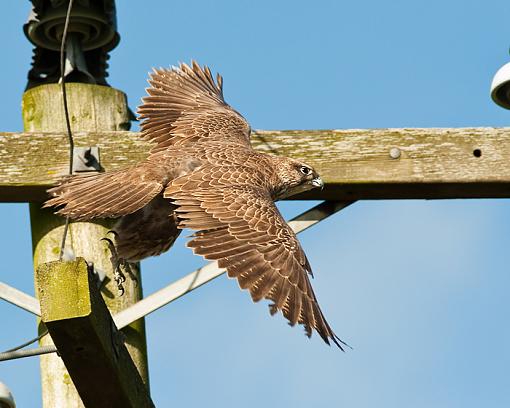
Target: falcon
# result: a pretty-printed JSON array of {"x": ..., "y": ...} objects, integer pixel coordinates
[{"x": 203, "y": 174}]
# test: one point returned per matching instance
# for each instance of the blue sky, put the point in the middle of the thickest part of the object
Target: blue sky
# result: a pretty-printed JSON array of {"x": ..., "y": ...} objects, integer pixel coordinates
[{"x": 418, "y": 288}]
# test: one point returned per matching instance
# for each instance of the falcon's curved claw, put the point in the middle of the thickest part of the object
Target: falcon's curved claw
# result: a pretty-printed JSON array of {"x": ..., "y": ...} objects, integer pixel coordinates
[
  {"x": 113, "y": 232},
  {"x": 117, "y": 264}
]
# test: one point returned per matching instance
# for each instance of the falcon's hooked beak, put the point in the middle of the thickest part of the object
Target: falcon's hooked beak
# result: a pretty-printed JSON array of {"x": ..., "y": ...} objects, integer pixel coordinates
[{"x": 317, "y": 182}]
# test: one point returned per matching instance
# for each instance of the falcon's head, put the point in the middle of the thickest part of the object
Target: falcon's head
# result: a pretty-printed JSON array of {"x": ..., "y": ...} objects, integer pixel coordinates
[{"x": 295, "y": 177}]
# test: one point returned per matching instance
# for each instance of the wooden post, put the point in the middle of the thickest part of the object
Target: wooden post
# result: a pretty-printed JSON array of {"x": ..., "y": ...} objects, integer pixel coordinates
[{"x": 92, "y": 108}]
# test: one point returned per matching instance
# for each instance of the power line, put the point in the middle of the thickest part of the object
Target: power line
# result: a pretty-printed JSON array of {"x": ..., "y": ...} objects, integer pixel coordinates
[
  {"x": 27, "y": 343},
  {"x": 12, "y": 355},
  {"x": 66, "y": 114}
]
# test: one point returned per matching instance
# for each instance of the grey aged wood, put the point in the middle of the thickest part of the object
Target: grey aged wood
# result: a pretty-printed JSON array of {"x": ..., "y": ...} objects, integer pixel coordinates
[
  {"x": 89, "y": 344},
  {"x": 92, "y": 108},
  {"x": 355, "y": 164}
]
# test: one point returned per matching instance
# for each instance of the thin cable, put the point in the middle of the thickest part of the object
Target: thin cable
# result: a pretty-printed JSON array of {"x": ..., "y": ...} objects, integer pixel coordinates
[
  {"x": 15, "y": 352},
  {"x": 66, "y": 114},
  {"x": 44, "y": 333},
  {"x": 11, "y": 355}
]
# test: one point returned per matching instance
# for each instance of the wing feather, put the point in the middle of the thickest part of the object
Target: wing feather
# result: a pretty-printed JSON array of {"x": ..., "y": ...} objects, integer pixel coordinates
[
  {"x": 103, "y": 195},
  {"x": 185, "y": 105},
  {"x": 255, "y": 246}
]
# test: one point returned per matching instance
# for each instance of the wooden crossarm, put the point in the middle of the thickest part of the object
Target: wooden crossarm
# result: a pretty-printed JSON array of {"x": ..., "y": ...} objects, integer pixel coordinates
[{"x": 355, "y": 164}]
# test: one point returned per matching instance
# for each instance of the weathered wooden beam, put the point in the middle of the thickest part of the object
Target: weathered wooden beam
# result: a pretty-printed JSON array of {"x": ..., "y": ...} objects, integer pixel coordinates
[
  {"x": 87, "y": 340},
  {"x": 92, "y": 108},
  {"x": 355, "y": 164}
]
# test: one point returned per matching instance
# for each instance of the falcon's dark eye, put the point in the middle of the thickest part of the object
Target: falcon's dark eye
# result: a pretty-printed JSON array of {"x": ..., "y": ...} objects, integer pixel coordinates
[{"x": 305, "y": 170}]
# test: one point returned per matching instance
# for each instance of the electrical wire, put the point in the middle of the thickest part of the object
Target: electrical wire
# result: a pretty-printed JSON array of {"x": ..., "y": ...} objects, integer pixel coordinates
[
  {"x": 12, "y": 355},
  {"x": 28, "y": 343},
  {"x": 16, "y": 352},
  {"x": 66, "y": 114}
]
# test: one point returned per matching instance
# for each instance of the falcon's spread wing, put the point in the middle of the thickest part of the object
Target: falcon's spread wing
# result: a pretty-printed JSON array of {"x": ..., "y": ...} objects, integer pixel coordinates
[
  {"x": 103, "y": 195},
  {"x": 242, "y": 229},
  {"x": 185, "y": 105}
]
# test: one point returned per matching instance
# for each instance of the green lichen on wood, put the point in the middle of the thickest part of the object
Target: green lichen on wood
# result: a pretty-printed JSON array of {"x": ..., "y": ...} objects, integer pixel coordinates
[
  {"x": 91, "y": 107},
  {"x": 64, "y": 290}
]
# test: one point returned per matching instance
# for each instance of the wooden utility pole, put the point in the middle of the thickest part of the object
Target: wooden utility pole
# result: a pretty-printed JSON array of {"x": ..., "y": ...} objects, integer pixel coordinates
[{"x": 92, "y": 108}]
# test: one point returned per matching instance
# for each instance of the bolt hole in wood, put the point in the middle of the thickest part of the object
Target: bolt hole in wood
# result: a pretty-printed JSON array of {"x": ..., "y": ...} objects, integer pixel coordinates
[{"x": 477, "y": 153}]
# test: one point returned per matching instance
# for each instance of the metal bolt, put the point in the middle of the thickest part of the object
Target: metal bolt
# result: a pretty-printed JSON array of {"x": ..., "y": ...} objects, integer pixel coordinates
[
  {"x": 395, "y": 153},
  {"x": 86, "y": 159}
]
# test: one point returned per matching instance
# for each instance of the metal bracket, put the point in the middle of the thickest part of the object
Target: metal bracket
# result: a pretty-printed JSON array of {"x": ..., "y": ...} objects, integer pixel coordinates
[
  {"x": 86, "y": 159},
  {"x": 75, "y": 61}
]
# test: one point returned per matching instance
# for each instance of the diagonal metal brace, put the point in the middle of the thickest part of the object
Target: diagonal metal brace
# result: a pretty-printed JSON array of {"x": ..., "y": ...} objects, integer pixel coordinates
[{"x": 20, "y": 299}]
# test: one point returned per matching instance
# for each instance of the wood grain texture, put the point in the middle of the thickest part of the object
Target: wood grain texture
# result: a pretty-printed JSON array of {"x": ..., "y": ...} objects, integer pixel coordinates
[
  {"x": 355, "y": 164},
  {"x": 91, "y": 107}
]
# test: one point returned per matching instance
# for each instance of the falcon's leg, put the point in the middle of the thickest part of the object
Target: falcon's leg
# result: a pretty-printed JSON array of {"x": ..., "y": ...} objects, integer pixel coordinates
[
  {"x": 120, "y": 260},
  {"x": 118, "y": 263},
  {"x": 146, "y": 232}
]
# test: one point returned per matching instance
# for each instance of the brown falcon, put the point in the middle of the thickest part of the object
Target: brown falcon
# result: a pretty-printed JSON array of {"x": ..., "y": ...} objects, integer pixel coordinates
[{"x": 203, "y": 174}]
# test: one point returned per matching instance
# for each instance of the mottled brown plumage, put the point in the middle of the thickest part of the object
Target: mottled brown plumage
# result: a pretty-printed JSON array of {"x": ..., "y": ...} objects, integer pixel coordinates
[{"x": 203, "y": 174}]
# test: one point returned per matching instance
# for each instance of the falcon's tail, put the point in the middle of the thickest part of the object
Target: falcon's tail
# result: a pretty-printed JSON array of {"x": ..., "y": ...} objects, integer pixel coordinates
[{"x": 103, "y": 195}]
